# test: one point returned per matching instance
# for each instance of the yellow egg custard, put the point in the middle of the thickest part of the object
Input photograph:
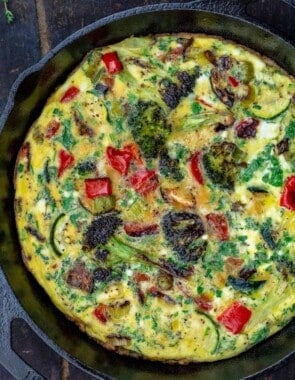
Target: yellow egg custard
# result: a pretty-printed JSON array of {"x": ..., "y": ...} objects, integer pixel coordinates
[{"x": 155, "y": 197}]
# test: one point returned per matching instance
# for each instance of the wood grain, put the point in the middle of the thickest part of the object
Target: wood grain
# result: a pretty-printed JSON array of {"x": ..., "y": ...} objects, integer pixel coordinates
[
  {"x": 65, "y": 17},
  {"x": 19, "y": 44}
]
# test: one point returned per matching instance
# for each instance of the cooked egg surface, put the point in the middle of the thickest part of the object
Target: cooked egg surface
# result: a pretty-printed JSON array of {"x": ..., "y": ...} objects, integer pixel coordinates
[{"x": 155, "y": 197}]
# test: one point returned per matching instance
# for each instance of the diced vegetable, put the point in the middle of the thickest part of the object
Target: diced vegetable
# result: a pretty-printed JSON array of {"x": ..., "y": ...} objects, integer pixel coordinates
[
  {"x": 209, "y": 334},
  {"x": 100, "y": 230},
  {"x": 98, "y": 205},
  {"x": 34, "y": 232},
  {"x": 53, "y": 232},
  {"x": 155, "y": 292},
  {"x": 233, "y": 81},
  {"x": 112, "y": 62},
  {"x": 147, "y": 123},
  {"x": 203, "y": 302},
  {"x": 235, "y": 317},
  {"x": 52, "y": 128},
  {"x": 66, "y": 160},
  {"x": 222, "y": 163},
  {"x": 257, "y": 190},
  {"x": 272, "y": 99},
  {"x": 182, "y": 230},
  {"x": 140, "y": 229},
  {"x": 178, "y": 196},
  {"x": 244, "y": 286},
  {"x": 141, "y": 277},
  {"x": 70, "y": 94},
  {"x": 267, "y": 235},
  {"x": 101, "y": 313},
  {"x": 102, "y": 274},
  {"x": 119, "y": 159},
  {"x": 169, "y": 167},
  {"x": 219, "y": 84},
  {"x": 172, "y": 92},
  {"x": 97, "y": 187},
  {"x": 80, "y": 277},
  {"x": 247, "y": 128},
  {"x": 165, "y": 281},
  {"x": 144, "y": 181},
  {"x": 218, "y": 224},
  {"x": 195, "y": 166},
  {"x": 288, "y": 195}
]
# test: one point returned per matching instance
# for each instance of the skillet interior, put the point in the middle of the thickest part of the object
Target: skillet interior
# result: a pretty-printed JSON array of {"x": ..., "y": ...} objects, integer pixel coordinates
[{"x": 30, "y": 96}]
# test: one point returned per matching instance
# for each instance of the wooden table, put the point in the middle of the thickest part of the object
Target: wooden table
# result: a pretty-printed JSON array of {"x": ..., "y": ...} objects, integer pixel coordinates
[{"x": 39, "y": 26}]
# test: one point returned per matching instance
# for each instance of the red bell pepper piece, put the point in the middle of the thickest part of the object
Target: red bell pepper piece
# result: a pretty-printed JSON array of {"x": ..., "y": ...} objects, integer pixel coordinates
[
  {"x": 52, "y": 128},
  {"x": 97, "y": 187},
  {"x": 133, "y": 149},
  {"x": 70, "y": 94},
  {"x": 144, "y": 181},
  {"x": 288, "y": 196},
  {"x": 119, "y": 159},
  {"x": 141, "y": 277},
  {"x": 219, "y": 226},
  {"x": 101, "y": 313},
  {"x": 66, "y": 160},
  {"x": 112, "y": 62},
  {"x": 233, "y": 81},
  {"x": 235, "y": 317},
  {"x": 195, "y": 165},
  {"x": 203, "y": 302},
  {"x": 138, "y": 229}
]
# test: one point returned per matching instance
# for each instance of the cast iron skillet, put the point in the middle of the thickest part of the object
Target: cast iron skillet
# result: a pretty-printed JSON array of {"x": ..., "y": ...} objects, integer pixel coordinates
[{"x": 23, "y": 297}]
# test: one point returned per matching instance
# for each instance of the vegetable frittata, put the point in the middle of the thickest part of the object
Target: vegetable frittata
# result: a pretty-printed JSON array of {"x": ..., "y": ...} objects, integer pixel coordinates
[{"x": 155, "y": 197}]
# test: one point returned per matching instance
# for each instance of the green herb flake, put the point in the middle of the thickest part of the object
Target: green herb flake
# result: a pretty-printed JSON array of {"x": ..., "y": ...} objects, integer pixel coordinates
[
  {"x": 57, "y": 112},
  {"x": 200, "y": 289},
  {"x": 196, "y": 108},
  {"x": 274, "y": 175},
  {"x": 20, "y": 168},
  {"x": 290, "y": 130},
  {"x": 259, "y": 335},
  {"x": 67, "y": 139}
]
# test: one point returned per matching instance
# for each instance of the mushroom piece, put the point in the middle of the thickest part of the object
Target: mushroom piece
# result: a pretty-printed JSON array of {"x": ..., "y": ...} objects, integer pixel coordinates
[
  {"x": 178, "y": 197},
  {"x": 80, "y": 277}
]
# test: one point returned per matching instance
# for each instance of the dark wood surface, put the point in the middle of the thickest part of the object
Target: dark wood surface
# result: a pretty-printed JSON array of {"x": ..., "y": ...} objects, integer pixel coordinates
[{"x": 39, "y": 26}]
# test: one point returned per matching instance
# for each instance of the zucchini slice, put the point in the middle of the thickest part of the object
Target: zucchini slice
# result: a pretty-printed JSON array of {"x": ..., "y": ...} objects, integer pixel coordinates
[
  {"x": 64, "y": 236},
  {"x": 269, "y": 105},
  {"x": 55, "y": 241},
  {"x": 272, "y": 97},
  {"x": 208, "y": 332}
]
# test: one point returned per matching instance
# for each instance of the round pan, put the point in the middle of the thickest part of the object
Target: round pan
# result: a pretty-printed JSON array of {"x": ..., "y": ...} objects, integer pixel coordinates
[{"x": 25, "y": 102}]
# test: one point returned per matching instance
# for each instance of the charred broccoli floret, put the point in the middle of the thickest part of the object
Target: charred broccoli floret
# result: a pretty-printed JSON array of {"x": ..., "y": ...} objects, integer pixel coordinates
[
  {"x": 100, "y": 230},
  {"x": 169, "y": 167},
  {"x": 222, "y": 163},
  {"x": 182, "y": 230},
  {"x": 172, "y": 92},
  {"x": 149, "y": 128},
  {"x": 244, "y": 286}
]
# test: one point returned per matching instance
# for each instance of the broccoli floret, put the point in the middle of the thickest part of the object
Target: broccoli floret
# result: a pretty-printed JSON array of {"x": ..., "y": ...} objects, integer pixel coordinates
[
  {"x": 87, "y": 166},
  {"x": 100, "y": 230},
  {"x": 222, "y": 163},
  {"x": 169, "y": 167},
  {"x": 172, "y": 92},
  {"x": 182, "y": 231},
  {"x": 149, "y": 128}
]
